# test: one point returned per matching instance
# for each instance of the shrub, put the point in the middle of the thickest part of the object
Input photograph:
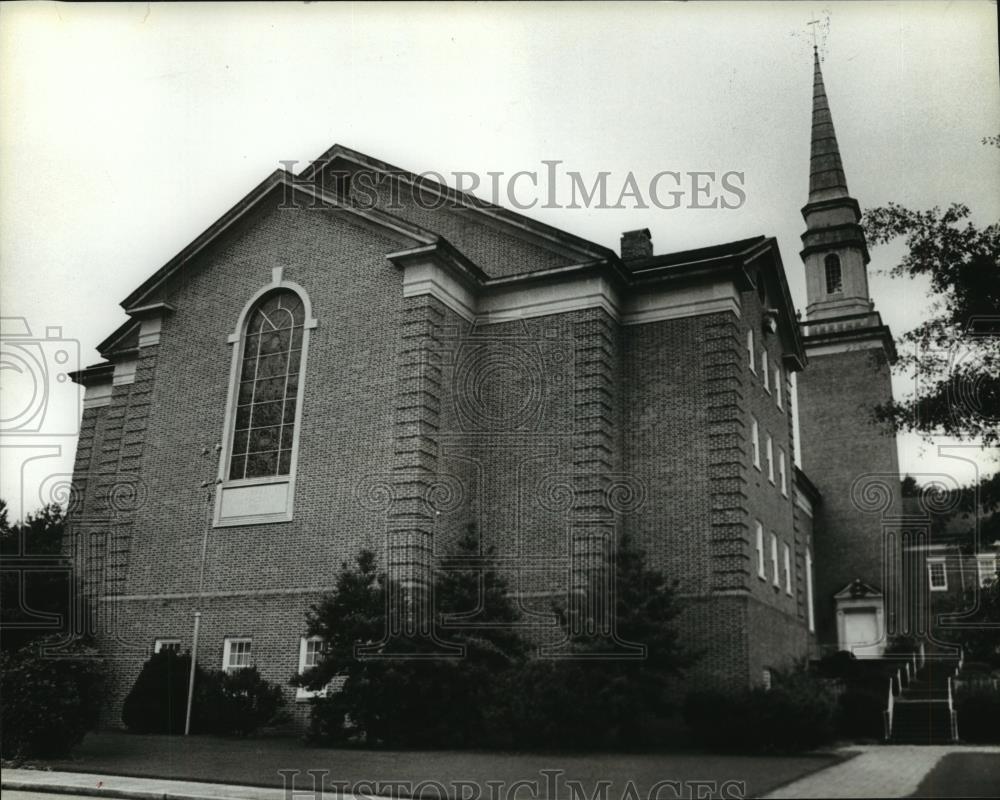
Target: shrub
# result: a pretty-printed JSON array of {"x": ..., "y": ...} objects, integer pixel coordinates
[
  {"x": 237, "y": 702},
  {"x": 797, "y": 713},
  {"x": 157, "y": 702},
  {"x": 859, "y": 711},
  {"x": 48, "y": 703},
  {"x": 978, "y": 708}
]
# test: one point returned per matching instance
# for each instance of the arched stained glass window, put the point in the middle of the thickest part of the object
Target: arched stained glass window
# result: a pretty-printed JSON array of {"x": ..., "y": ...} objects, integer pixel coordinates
[
  {"x": 834, "y": 279},
  {"x": 268, "y": 391}
]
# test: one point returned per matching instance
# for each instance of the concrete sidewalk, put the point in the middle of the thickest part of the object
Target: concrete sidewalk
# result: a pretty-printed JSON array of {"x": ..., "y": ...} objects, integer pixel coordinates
[
  {"x": 81, "y": 783},
  {"x": 879, "y": 771}
]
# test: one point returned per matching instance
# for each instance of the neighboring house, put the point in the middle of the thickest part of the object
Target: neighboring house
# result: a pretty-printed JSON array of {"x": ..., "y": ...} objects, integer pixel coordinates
[
  {"x": 945, "y": 559},
  {"x": 310, "y": 377}
]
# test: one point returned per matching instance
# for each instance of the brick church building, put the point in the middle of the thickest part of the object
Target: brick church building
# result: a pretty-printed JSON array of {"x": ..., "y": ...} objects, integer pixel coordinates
[{"x": 312, "y": 376}]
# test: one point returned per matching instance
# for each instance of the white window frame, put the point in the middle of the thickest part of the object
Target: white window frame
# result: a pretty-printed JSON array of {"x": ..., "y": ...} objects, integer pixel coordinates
[
  {"x": 787, "y": 555},
  {"x": 227, "y": 649},
  {"x": 782, "y": 472},
  {"x": 755, "y": 440},
  {"x": 260, "y": 500},
  {"x": 765, "y": 374},
  {"x": 986, "y": 568},
  {"x": 770, "y": 458},
  {"x": 167, "y": 642},
  {"x": 778, "y": 380},
  {"x": 750, "y": 351},
  {"x": 301, "y": 693},
  {"x": 761, "y": 565},
  {"x": 809, "y": 592},
  {"x": 776, "y": 580},
  {"x": 931, "y": 563}
]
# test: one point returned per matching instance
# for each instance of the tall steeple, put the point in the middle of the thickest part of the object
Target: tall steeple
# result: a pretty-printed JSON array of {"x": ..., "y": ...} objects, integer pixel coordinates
[
  {"x": 834, "y": 248},
  {"x": 826, "y": 172},
  {"x": 844, "y": 451}
]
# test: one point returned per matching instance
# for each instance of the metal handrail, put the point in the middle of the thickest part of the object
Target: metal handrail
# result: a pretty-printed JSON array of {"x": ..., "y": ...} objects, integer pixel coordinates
[{"x": 887, "y": 715}]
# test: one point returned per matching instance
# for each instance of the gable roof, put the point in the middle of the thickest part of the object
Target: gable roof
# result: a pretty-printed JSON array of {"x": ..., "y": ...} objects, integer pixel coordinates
[{"x": 549, "y": 237}]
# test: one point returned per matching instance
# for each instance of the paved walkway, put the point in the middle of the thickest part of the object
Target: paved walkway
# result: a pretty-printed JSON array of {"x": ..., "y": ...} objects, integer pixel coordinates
[{"x": 878, "y": 771}]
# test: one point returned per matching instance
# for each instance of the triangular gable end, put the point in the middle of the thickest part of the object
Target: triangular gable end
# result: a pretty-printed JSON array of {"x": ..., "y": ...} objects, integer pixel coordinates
[
  {"x": 548, "y": 237},
  {"x": 857, "y": 589},
  {"x": 404, "y": 232}
]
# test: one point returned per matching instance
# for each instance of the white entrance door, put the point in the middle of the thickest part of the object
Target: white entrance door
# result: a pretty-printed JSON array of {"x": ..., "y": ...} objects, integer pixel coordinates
[{"x": 861, "y": 632}]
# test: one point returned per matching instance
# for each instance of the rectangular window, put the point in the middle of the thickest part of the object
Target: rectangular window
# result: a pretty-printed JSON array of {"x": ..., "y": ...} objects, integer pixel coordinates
[
  {"x": 776, "y": 579},
  {"x": 310, "y": 649},
  {"x": 766, "y": 680},
  {"x": 809, "y": 592},
  {"x": 781, "y": 472},
  {"x": 937, "y": 575},
  {"x": 770, "y": 459},
  {"x": 987, "y": 569},
  {"x": 167, "y": 644},
  {"x": 761, "y": 567},
  {"x": 753, "y": 367},
  {"x": 778, "y": 380},
  {"x": 764, "y": 373},
  {"x": 236, "y": 653},
  {"x": 788, "y": 570},
  {"x": 755, "y": 440}
]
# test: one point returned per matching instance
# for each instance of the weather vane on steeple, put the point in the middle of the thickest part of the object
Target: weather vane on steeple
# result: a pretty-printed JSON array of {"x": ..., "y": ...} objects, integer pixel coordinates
[{"x": 820, "y": 27}]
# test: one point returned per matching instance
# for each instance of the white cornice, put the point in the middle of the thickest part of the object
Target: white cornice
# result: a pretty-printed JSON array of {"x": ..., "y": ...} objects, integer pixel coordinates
[
  {"x": 493, "y": 304},
  {"x": 844, "y": 347},
  {"x": 97, "y": 395}
]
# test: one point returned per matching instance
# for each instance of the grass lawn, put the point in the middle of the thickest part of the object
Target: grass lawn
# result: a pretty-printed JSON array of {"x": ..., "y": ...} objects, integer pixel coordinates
[{"x": 258, "y": 762}]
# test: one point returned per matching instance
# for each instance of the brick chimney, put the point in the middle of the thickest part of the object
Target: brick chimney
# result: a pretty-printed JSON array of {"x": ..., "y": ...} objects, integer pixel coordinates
[{"x": 636, "y": 244}]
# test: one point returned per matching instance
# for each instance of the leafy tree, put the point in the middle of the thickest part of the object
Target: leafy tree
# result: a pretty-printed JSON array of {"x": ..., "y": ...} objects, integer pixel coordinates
[
  {"x": 962, "y": 508},
  {"x": 36, "y": 580},
  {"x": 956, "y": 351}
]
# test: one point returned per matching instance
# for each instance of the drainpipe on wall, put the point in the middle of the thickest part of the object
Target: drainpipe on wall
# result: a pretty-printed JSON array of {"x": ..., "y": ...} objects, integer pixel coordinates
[{"x": 201, "y": 584}]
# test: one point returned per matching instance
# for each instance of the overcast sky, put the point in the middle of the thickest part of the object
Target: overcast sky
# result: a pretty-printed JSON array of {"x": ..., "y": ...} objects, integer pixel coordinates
[{"x": 126, "y": 130}]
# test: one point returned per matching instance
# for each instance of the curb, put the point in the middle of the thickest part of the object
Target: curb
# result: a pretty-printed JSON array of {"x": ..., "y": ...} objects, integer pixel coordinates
[
  {"x": 186, "y": 791},
  {"x": 94, "y": 791}
]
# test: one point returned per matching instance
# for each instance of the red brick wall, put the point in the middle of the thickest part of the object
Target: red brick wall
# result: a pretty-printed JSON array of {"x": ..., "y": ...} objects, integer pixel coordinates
[
  {"x": 840, "y": 445},
  {"x": 639, "y": 428}
]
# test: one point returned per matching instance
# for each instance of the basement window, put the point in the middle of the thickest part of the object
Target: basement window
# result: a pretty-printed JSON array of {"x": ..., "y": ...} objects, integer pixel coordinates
[{"x": 159, "y": 645}]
